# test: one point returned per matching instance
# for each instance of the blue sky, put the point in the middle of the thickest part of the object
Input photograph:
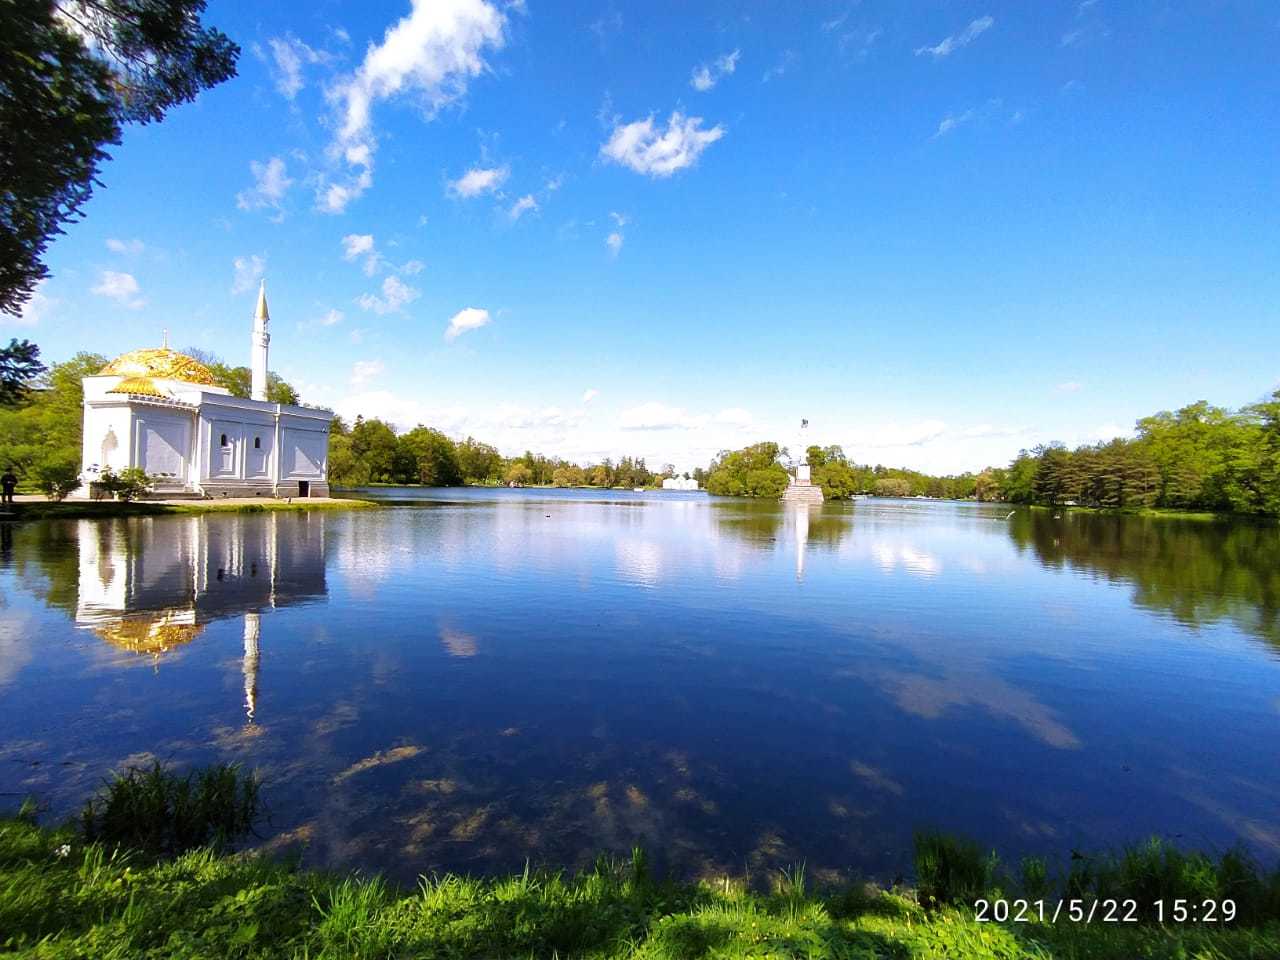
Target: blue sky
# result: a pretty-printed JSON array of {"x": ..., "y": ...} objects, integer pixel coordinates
[{"x": 939, "y": 231}]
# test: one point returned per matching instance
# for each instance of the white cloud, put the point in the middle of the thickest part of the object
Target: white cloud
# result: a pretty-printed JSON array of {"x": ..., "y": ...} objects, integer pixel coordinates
[
  {"x": 590, "y": 394},
  {"x": 654, "y": 152},
  {"x": 270, "y": 183},
  {"x": 621, "y": 219},
  {"x": 358, "y": 245},
  {"x": 658, "y": 416},
  {"x": 129, "y": 248},
  {"x": 784, "y": 64},
  {"x": 413, "y": 268},
  {"x": 37, "y": 309},
  {"x": 888, "y": 436},
  {"x": 614, "y": 242},
  {"x": 951, "y": 121},
  {"x": 290, "y": 56},
  {"x": 120, "y": 287},
  {"x": 248, "y": 271},
  {"x": 522, "y": 206},
  {"x": 331, "y": 318},
  {"x": 858, "y": 43},
  {"x": 470, "y": 318},
  {"x": 477, "y": 181},
  {"x": 431, "y": 55},
  {"x": 1070, "y": 386},
  {"x": 362, "y": 371},
  {"x": 949, "y": 45},
  {"x": 707, "y": 75},
  {"x": 396, "y": 295},
  {"x": 734, "y": 417}
]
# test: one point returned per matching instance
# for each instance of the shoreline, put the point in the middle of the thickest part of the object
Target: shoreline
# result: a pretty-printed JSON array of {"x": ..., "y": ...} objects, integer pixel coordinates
[
  {"x": 245, "y": 904},
  {"x": 41, "y": 509},
  {"x": 1162, "y": 513}
]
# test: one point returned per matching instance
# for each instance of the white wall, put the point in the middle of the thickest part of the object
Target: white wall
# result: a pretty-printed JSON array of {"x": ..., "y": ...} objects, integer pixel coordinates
[
  {"x": 304, "y": 452},
  {"x": 162, "y": 443},
  {"x": 108, "y": 438}
]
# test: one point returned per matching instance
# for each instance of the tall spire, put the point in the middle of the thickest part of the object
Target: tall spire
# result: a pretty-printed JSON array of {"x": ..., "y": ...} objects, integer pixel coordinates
[
  {"x": 259, "y": 342},
  {"x": 261, "y": 312}
]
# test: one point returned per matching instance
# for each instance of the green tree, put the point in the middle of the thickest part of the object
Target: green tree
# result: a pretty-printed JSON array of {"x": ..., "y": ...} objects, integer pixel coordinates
[
  {"x": 479, "y": 462},
  {"x": 373, "y": 444},
  {"x": 837, "y": 480},
  {"x": 239, "y": 380},
  {"x": 892, "y": 487},
  {"x": 19, "y": 367},
  {"x": 70, "y": 75},
  {"x": 753, "y": 471},
  {"x": 46, "y": 428},
  {"x": 57, "y": 475},
  {"x": 345, "y": 469},
  {"x": 518, "y": 474},
  {"x": 433, "y": 457}
]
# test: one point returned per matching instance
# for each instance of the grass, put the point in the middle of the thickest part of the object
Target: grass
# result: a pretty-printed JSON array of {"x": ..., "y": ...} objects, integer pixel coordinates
[
  {"x": 159, "y": 812},
  {"x": 66, "y": 894}
]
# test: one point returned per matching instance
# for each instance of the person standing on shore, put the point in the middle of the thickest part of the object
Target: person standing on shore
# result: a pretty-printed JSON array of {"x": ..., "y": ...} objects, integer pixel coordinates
[{"x": 8, "y": 481}]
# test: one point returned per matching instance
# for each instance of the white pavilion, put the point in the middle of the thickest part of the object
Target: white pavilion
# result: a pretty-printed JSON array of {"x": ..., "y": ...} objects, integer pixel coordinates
[{"x": 161, "y": 411}]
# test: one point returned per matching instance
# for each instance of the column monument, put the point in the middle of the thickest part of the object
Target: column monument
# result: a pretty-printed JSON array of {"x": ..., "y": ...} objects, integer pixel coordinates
[{"x": 801, "y": 488}]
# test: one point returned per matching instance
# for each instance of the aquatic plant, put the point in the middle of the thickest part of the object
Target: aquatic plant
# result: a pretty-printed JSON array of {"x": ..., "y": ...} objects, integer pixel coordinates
[
  {"x": 952, "y": 870},
  {"x": 160, "y": 812},
  {"x": 63, "y": 897}
]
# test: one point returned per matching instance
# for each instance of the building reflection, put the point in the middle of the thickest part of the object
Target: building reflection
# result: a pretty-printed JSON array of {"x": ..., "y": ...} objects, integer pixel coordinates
[{"x": 151, "y": 586}]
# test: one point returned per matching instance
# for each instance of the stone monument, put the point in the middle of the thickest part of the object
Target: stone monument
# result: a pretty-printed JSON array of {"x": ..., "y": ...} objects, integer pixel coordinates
[{"x": 801, "y": 488}]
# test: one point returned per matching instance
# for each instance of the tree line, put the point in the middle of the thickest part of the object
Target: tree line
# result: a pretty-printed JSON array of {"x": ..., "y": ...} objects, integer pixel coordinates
[
  {"x": 1199, "y": 457},
  {"x": 371, "y": 451},
  {"x": 756, "y": 471}
]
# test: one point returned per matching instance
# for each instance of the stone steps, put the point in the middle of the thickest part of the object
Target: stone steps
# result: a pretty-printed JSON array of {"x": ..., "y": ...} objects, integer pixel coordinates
[{"x": 803, "y": 493}]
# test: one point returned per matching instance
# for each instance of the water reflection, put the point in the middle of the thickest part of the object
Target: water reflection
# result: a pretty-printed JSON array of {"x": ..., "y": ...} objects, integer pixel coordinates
[
  {"x": 479, "y": 681},
  {"x": 1200, "y": 572},
  {"x": 150, "y": 588}
]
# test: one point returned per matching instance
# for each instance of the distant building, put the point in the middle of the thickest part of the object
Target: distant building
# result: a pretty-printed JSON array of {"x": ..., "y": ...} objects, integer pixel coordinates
[
  {"x": 161, "y": 411},
  {"x": 680, "y": 483}
]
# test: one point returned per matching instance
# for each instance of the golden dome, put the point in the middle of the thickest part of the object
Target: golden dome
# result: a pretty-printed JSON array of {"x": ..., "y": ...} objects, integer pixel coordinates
[
  {"x": 153, "y": 635},
  {"x": 138, "y": 386},
  {"x": 160, "y": 363}
]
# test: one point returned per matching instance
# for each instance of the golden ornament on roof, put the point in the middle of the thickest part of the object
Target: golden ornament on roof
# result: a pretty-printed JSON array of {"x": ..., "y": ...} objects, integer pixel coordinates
[
  {"x": 149, "y": 635},
  {"x": 160, "y": 363},
  {"x": 138, "y": 387}
]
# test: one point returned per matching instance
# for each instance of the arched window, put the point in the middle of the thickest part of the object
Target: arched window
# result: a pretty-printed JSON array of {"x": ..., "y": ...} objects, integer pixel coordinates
[{"x": 223, "y": 441}]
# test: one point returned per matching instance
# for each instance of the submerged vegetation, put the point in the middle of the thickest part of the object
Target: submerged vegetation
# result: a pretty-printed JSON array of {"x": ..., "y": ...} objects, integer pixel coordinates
[
  {"x": 149, "y": 874},
  {"x": 160, "y": 812}
]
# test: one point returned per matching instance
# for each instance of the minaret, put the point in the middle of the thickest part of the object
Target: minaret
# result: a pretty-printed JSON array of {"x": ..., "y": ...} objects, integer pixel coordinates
[
  {"x": 260, "y": 340},
  {"x": 249, "y": 665}
]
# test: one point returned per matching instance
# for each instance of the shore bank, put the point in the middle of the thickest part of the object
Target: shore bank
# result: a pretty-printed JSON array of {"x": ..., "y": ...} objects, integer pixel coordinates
[
  {"x": 62, "y": 897},
  {"x": 38, "y": 508},
  {"x": 1164, "y": 513}
]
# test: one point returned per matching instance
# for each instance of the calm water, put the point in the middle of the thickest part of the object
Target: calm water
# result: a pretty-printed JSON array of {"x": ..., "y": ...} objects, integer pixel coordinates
[{"x": 487, "y": 676}]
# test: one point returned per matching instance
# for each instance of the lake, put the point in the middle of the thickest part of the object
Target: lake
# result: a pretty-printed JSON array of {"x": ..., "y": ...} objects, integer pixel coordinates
[{"x": 471, "y": 678}]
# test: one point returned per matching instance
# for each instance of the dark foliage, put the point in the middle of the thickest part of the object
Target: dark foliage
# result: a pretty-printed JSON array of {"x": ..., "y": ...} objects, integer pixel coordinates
[
  {"x": 63, "y": 100},
  {"x": 161, "y": 812}
]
